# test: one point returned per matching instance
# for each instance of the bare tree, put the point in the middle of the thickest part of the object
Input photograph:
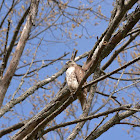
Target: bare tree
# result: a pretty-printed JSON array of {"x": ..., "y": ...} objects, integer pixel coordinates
[{"x": 39, "y": 99}]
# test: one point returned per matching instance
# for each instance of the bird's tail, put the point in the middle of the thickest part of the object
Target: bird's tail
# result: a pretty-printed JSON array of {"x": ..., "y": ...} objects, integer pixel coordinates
[{"x": 82, "y": 99}]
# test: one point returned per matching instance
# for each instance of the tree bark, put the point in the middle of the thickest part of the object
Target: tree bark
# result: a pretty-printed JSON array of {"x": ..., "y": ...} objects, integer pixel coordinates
[
  {"x": 113, "y": 121},
  {"x": 5, "y": 81}
]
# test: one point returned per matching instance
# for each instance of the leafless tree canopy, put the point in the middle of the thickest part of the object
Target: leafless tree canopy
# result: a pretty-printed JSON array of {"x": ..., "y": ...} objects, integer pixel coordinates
[{"x": 37, "y": 39}]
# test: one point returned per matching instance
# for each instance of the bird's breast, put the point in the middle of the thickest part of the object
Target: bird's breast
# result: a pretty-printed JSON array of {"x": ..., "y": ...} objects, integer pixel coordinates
[{"x": 71, "y": 78}]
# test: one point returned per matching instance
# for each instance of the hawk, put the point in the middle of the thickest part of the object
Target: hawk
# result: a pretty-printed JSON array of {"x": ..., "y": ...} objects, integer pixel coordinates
[{"x": 74, "y": 75}]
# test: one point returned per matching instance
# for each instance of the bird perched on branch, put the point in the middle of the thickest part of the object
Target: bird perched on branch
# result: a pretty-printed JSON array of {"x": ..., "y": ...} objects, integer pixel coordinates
[{"x": 74, "y": 75}]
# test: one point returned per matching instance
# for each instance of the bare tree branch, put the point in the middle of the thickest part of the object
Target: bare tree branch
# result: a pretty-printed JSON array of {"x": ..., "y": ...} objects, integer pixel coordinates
[
  {"x": 31, "y": 90},
  {"x": 3, "y": 65},
  {"x": 12, "y": 128},
  {"x": 115, "y": 54},
  {"x": 43, "y": 66},
  {"x": 4, "y": 83},
  {"x": 9, "y": 49},
  {"x": 121, "y": 33},
  {"x": 1, "y": 5},
  {"x": 114, "y": 120},
  {"x": 90, "y": 117},
  {"x": 12, "y": 6},
  {"x": 92, "y": 69},
  {"x": 119, "y": 14},
  {"x": 132, "y": 124},
  {"x": 55, "y": 16},
  {"x": 111, "y": 73}
]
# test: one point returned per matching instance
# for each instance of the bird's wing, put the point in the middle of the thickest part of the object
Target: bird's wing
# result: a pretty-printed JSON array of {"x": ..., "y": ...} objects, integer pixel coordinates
[{"x": 79, "y": 73}]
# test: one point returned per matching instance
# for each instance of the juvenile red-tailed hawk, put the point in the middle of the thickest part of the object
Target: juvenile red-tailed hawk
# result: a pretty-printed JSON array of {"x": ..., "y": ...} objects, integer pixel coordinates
[{"x": 74, "y": 75}]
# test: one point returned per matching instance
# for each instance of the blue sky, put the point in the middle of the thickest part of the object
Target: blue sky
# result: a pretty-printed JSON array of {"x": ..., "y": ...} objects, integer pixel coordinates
[{"x": 51, "y": 50}]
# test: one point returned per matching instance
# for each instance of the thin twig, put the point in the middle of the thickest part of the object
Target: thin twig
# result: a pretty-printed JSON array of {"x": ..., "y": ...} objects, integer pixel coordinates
[
  {"x": 100, "y": 123},
  {"x": 3, "y": 65},
  {"x": 43, "y": 65},
  {"x": 126, "y": 86},
  {"x": 109, "y": 95},
  {"x": 22, "y": 79},
  {"x": 124, "y": 107},
  {"x": 134, "y": 125},
  {"x": 111, "y": 73}
]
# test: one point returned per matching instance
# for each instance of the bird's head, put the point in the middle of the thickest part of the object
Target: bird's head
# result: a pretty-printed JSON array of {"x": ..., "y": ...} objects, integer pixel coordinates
[{"x": 70, "y": 63}]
